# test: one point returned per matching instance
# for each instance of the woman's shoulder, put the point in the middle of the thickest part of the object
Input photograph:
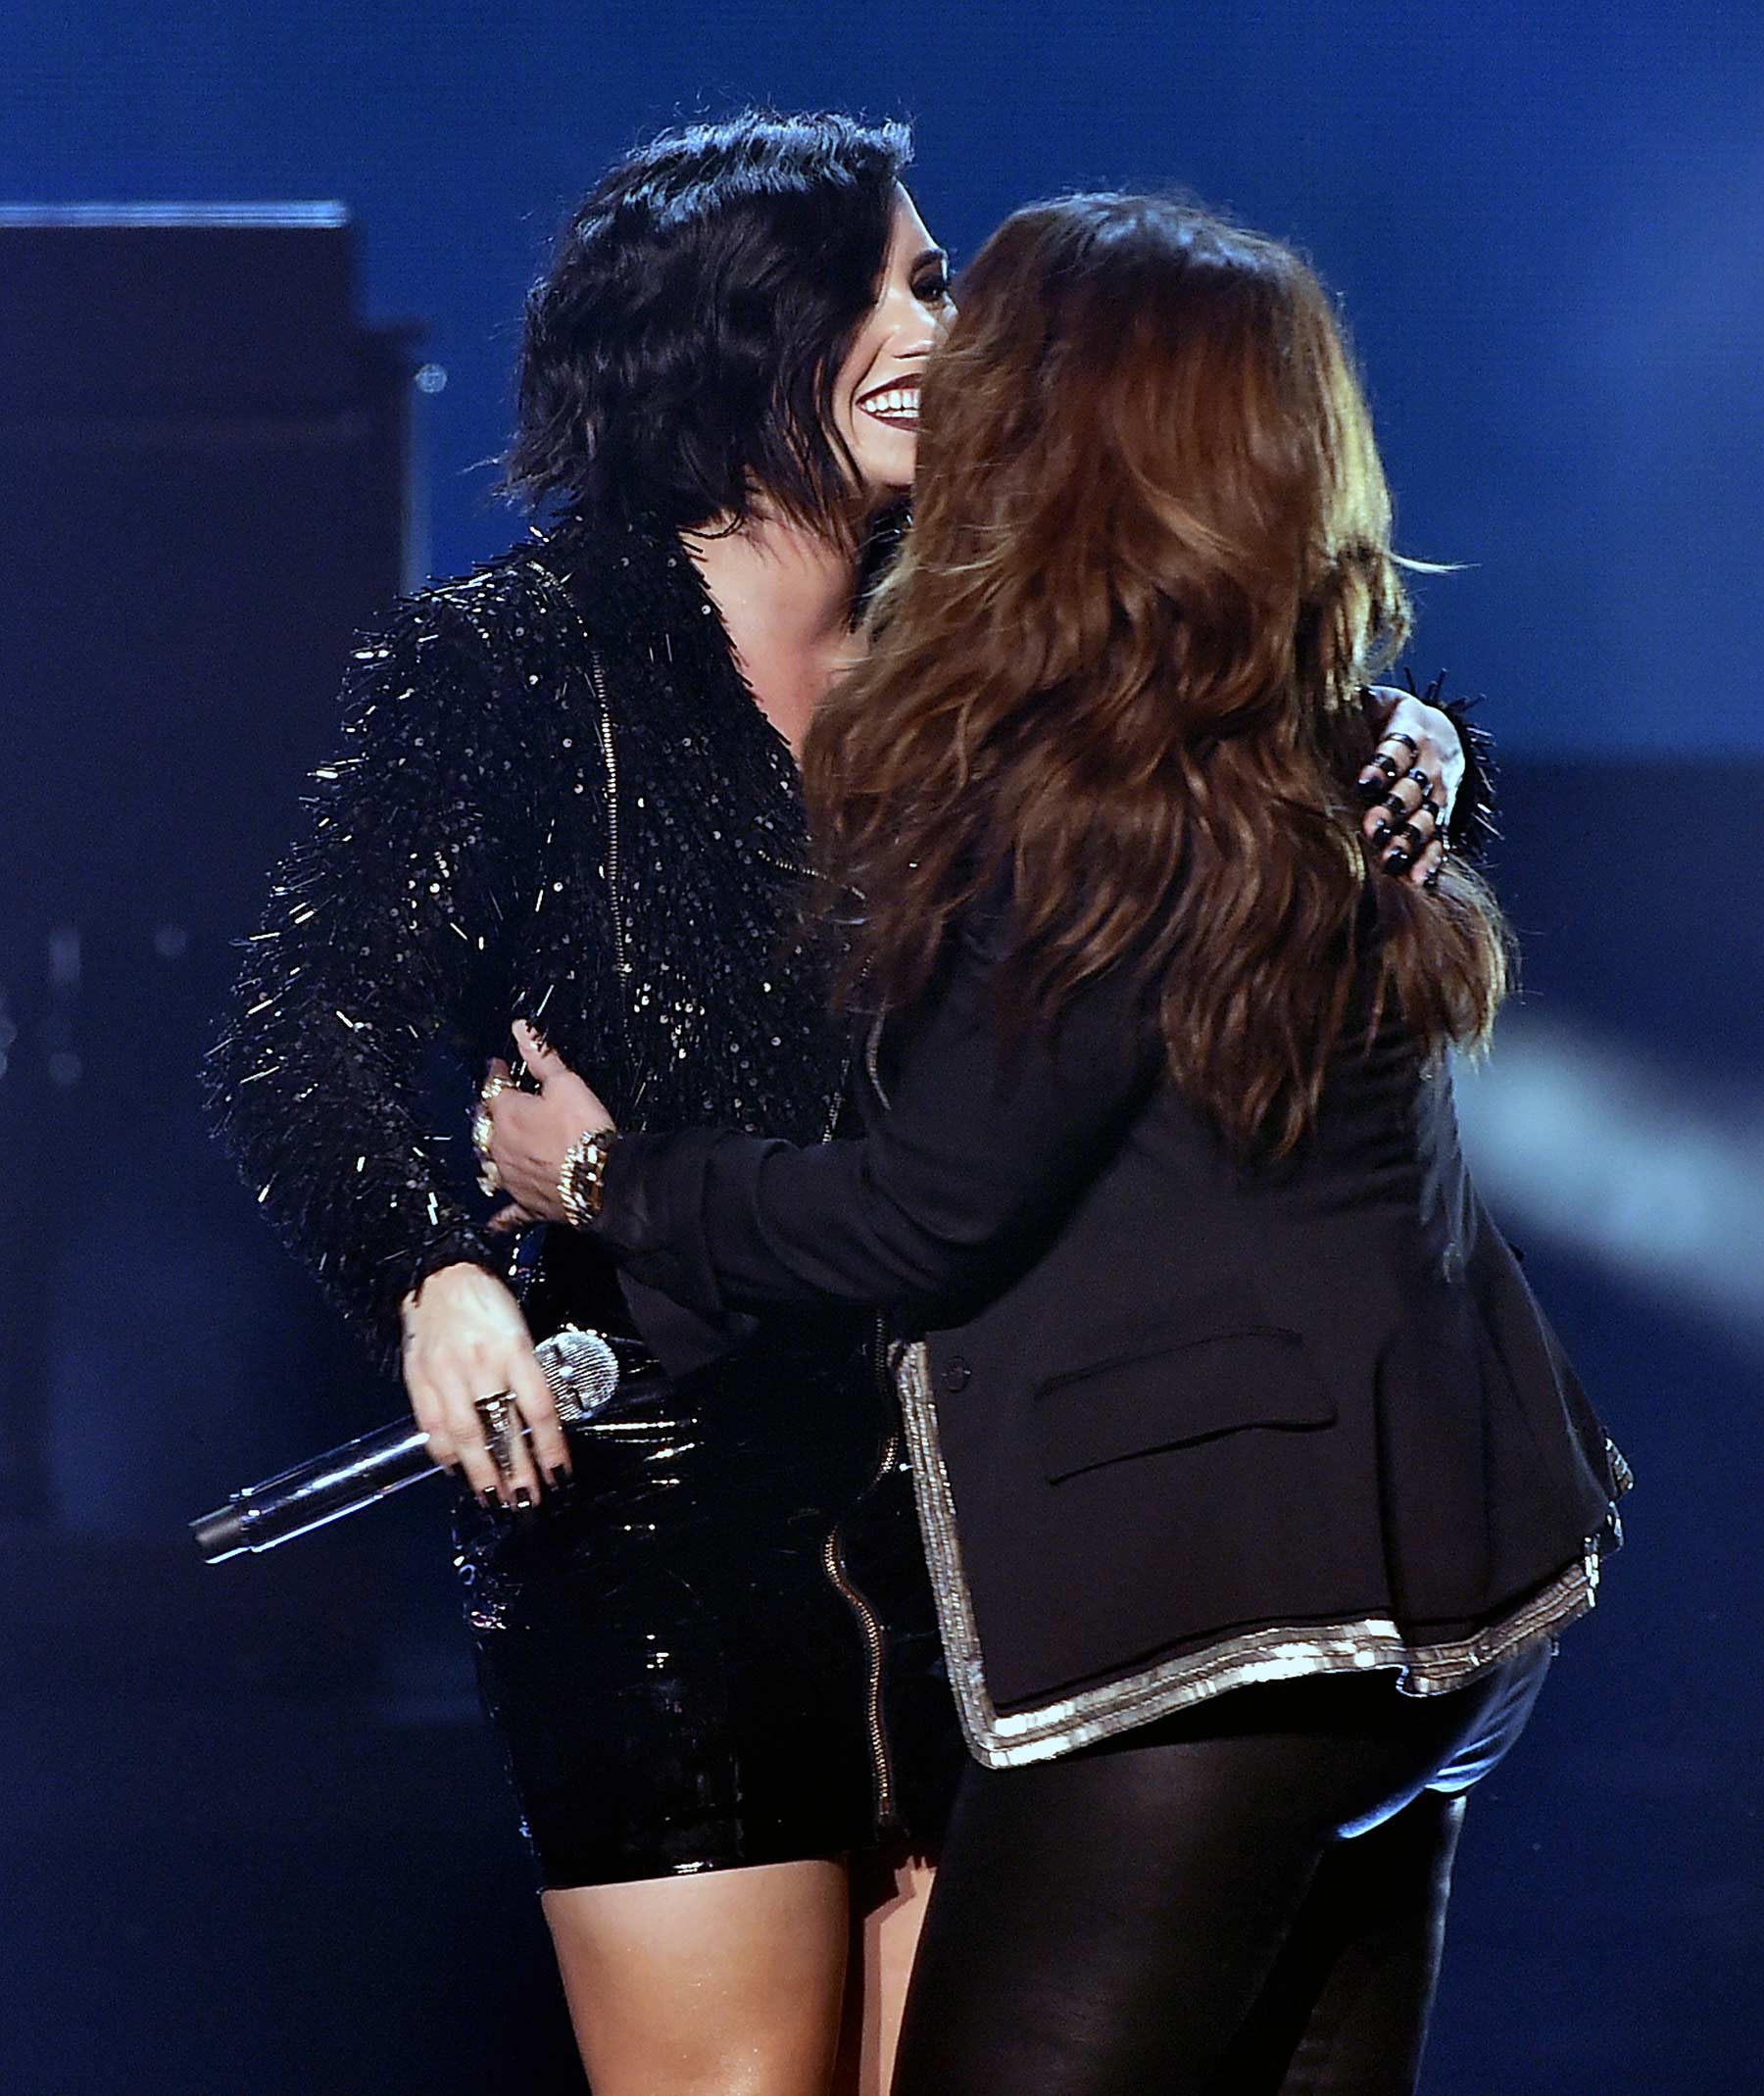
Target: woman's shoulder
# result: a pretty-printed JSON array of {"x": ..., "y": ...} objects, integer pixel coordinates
[
  {"x": 500, "y": 642},
  {"x": 510, "y": 606}
]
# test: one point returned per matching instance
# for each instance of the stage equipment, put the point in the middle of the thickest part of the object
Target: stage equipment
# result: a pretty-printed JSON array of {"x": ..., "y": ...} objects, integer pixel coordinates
[{"x": 205, "y": 490}]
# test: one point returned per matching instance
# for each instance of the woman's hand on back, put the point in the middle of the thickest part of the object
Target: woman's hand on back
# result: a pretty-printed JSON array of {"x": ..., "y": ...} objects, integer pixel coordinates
[
  {"x": 531, "y": 1133},
  {"x": 1419, "y": 766}
]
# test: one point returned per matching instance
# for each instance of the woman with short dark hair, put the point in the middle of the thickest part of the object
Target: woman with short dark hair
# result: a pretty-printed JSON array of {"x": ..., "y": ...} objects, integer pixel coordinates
[
  {"x": 570, "y": 793},
  {"x": 1255, "y": 1484}
]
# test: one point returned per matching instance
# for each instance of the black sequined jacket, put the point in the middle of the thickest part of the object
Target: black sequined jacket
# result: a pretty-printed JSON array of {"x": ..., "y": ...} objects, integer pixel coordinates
[{"x": 558, "y": 800}]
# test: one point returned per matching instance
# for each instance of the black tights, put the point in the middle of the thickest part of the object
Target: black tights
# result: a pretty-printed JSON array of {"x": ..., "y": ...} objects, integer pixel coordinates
[{"x": 1247, "y": 1898}]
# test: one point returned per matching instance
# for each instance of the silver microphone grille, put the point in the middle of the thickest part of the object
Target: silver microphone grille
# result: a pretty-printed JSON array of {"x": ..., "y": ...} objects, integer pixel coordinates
[{"x": 582, "y": 1371}]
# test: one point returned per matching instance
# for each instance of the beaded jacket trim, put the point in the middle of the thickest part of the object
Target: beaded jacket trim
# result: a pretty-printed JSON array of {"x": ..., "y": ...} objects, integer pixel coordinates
[{"x": 1005, "y": 1740}]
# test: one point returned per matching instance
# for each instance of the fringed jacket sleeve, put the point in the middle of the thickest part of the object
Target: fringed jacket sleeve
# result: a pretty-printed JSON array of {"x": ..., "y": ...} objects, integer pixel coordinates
[
  {"x": 379, "y": 933},
  {"x": 1472, "y": 829}
]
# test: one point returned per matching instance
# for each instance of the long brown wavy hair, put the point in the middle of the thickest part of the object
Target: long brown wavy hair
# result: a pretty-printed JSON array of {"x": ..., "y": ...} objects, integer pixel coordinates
[{"x": 1121, "y": 663}]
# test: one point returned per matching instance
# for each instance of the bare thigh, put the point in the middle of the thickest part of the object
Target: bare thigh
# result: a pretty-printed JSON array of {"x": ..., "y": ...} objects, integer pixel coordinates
[
  {"x": 888, "y": 1901},
  {"x": 725, "y": 1984}
]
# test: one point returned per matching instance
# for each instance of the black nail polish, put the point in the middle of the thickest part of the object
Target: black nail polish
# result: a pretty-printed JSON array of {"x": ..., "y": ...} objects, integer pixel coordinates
[
  {"x": 524, "y": 1499},
  {"x": 1382, "y": 834},
  {"x": 490, "y": 1503},
  {"x": 1432, "y": 881},
  {"x": 1372, "y": 789},
  {"x": 559, "y": 1479},
  {"x": 1397, "y": 862}
]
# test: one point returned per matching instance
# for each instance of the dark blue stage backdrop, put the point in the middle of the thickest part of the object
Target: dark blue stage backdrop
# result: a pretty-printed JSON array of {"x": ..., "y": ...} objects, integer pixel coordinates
[{"x": 252, "y": 1836}]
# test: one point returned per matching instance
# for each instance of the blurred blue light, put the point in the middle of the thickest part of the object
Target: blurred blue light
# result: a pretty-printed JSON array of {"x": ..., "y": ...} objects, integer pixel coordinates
[{"x": 1610, "y": 1157}]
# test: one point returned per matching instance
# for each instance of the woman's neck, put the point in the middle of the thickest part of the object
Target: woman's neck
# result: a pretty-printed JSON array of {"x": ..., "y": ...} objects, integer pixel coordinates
[{"x": 785, "y": 594}]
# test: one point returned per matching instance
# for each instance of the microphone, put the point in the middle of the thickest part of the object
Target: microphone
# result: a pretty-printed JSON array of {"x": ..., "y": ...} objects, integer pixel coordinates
[{"x": 584, "y": 1372}]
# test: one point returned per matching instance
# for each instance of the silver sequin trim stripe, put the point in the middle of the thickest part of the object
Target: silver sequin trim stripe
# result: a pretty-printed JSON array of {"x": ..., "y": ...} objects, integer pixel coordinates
[{"x": 1272, "y": 1655}]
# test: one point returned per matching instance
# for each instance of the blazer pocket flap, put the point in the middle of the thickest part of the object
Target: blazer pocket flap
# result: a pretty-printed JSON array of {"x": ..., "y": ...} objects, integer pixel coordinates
[{"x": 1176, "y": 1394}]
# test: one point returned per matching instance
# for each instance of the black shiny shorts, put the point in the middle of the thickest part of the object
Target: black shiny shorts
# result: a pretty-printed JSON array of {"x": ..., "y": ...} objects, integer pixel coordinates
[{"x": 721, "y": 1651}]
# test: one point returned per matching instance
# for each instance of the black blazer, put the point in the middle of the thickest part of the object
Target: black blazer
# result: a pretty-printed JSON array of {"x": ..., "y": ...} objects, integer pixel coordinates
[{"x": 1178, "y": 1421}]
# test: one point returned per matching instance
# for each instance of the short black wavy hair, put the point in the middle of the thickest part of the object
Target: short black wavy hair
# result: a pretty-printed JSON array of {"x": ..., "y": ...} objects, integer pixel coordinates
[{"x": 680, "y": 354}]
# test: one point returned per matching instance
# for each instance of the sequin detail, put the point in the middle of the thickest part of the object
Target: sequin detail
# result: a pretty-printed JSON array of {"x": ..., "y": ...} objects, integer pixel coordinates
[{"x": 456, "y": 873}]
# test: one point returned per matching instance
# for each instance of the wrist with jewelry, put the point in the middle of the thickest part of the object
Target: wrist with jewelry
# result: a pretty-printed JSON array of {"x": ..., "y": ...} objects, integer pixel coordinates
[{"x": 582, "y": 1174}]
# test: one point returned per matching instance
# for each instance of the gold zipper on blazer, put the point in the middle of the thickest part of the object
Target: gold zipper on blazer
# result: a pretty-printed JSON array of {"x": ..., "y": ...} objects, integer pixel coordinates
[
  {"x": 784, "y": 865},
  {"x": 833, "y": 1549},
  {"x": 833, "y": 1561},
  {"x": 620, "y": 961}
]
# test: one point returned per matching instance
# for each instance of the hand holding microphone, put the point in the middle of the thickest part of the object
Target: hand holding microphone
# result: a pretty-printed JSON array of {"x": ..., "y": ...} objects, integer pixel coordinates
[
  {"x": 484, "y": 1403},
  {"x": 581, "y": 1370},
  {"x": 466, "y": 1349}
]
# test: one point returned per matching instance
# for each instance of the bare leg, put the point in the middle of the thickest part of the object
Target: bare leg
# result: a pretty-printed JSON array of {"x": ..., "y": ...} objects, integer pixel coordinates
[
  {"x": 727, "y": 1985},
  {"x": 888, "y": 1908}
]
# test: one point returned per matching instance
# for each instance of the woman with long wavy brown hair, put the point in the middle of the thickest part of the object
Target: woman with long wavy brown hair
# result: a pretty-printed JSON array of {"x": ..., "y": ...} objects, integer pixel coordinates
[{"x": 1254, "y": 1482}]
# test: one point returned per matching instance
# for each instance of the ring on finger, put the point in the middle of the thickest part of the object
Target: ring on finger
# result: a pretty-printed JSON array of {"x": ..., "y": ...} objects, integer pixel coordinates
[
  {"x": 497, "y": 1412},
  {"x": 483, "y": 1131},
  {"x": 493, "y": 1409},
  {"x": 489, "y": 1179},
  {"x": 482, "y": 1127}
]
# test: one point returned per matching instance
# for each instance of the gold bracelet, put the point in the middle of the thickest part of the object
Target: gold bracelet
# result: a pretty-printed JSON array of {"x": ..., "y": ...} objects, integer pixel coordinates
[{"x": 582, "y": 1175}]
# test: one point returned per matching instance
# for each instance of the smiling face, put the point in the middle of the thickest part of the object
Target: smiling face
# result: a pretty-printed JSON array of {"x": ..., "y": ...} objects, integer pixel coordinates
[{"x": 875, "y": 398}]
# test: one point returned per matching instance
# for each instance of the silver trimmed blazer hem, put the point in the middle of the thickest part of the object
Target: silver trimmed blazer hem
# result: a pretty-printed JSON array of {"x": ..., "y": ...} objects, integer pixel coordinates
[{"x": 1011, "y": 1739}]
